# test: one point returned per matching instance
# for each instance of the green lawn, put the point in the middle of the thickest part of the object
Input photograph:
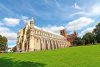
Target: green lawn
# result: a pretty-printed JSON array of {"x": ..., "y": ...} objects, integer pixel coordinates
[{"x": 81, "y": 56}]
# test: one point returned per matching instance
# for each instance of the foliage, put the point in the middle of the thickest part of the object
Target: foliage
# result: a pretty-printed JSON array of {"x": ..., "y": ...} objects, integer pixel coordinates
[
  {"x": 3, "y": 43},
  {"x": 14, "y": 49},
  {"x": 96, "y": 31},
  {"x": 89, "y": 38},
  {"x": 78, "y": 41}
]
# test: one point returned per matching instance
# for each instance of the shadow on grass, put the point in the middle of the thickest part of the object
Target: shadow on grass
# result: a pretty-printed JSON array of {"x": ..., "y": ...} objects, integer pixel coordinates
[{"x": 4, "y": 62}]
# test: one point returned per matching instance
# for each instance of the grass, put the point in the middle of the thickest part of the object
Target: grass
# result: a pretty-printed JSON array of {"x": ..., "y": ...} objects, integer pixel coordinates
[{"x": 81, "y": 56}]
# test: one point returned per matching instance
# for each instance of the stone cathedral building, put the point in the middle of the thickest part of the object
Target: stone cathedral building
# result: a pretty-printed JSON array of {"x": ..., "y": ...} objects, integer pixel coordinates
[{"x": 31, "y": 38}]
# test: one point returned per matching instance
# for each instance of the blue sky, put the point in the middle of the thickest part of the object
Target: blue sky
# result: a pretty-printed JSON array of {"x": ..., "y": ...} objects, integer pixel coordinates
[{"x": 52, "y": 15}]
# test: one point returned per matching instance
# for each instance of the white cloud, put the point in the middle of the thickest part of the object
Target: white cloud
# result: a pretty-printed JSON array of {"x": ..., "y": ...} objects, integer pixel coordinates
[
  {"x": 79, "y": 23},
  {"x": 11, "y": 21},
  {"x": 24, "y": 17},
  {"x": 90, "y": 29},
  {"x": 8, "y": 33},
  {"x": 3, "y": 29},
  {"x": 95, "y": 10},
  {"x": 53, "y": 29},
  {"x": 89, "y": 11},
  {"x": 11, "y": 36},
  {"x": 37, "y": 27},
  {"x": 76, "y": 6}
]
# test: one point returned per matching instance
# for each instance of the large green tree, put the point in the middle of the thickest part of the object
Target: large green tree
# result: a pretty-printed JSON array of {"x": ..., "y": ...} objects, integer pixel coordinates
[
  {"x": 3, "y": 43},
  {"x": 78, "y": 41},
  {"x": 96, "y": 32},
  {"x": 89, "y": 38}
]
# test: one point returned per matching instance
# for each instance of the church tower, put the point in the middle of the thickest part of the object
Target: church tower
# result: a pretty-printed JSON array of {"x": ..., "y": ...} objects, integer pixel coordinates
[
  {"x": 31, "y": 37},
  {"x": 32, "y": 23},
  {"x": 63, "y": 33}
]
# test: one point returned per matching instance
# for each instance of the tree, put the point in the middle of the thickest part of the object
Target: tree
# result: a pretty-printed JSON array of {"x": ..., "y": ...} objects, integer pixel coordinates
[
  {"x": 89, "y": 38},
  {"x": 78, "y": 41},
  {"x": 96, "y": 32},
  {"x": 3, "y": 43},
  {"x": 14, "y": 49}
]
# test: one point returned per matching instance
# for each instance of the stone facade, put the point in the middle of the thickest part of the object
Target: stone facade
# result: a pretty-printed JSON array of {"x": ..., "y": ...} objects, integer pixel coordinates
[
  {"x": 31, "y": 38},
  {"x": 72, "y": 37}
]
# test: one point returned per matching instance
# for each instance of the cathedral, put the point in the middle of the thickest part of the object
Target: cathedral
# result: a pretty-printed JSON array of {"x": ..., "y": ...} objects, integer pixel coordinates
[{"x": 31, "y": 38}]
